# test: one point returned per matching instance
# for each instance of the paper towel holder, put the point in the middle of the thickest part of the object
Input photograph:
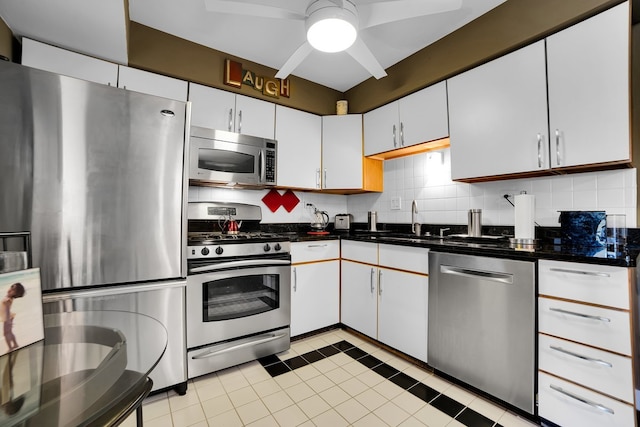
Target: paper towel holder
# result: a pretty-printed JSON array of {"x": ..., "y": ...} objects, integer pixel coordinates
[{"x": 527, "y": 244}]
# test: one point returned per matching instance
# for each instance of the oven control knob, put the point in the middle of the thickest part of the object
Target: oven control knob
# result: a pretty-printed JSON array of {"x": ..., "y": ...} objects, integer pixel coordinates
[
  {"x": 219, "y": 250},
  {"x": 267, "y": 248},
  {"x": 205, "y": 251},
  {"x": 277, "y": 247}
]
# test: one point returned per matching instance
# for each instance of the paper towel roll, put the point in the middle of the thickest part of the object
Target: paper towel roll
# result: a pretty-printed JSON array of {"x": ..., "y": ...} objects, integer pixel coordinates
[{"x": 525, "y": 211}]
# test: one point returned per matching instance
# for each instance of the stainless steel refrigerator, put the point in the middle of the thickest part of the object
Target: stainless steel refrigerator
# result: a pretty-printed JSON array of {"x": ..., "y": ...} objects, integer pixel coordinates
[{"x": 97, "y": 175}]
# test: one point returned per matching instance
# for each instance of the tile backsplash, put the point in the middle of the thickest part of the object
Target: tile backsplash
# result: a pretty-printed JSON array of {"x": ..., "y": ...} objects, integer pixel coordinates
[{"x": 426, "y": 179}]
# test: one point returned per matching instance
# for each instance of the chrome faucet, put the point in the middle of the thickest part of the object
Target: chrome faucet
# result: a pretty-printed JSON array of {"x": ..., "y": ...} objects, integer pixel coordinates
[
  {"x": 415, "y": 225},
  {"x": 442, "y": 230}
]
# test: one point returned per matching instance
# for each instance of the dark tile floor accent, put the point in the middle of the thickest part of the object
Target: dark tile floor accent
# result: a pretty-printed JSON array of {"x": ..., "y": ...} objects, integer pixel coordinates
[
  {"x": 469, "y": 417},
  {"x": 424, "y": 392},
  {"x": 269, "y": 360},
  {"x": 296, "y": 362},
  {"x": 447, "y": 405},
  {"x": 313, "y": 356},
  {"x": 403, "y": 380},
  {"x": 384, "y": 370},
  {"x": 329, "y": 351},
  {"x": 355, "y": 352},
  {"x": 276, "y": 369},
  {"x": 444, "y": 403},
  {"x": 343, "y": 345},
  {"x": 369, "y": 361}
]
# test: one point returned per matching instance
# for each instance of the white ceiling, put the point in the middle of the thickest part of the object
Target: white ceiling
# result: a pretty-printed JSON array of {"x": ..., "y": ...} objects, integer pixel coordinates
[{"x": 97, "y": 28}]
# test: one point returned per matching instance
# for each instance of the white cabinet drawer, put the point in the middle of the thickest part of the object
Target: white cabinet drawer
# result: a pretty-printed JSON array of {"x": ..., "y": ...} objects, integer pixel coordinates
[
  {"x": 597, "y": 284},
  {"x": 316, "y": 250},
  {"x": 597, "y": 369},
  {"x": 360, "y": 251},
  {"x": 569, "y": 405},
  {"x": 595, "y": 326},
  {"x": 404, "y": 258}
]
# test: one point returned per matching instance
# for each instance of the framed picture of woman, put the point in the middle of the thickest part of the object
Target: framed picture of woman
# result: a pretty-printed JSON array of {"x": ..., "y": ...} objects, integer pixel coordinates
[{"x": 20, "y": 309}]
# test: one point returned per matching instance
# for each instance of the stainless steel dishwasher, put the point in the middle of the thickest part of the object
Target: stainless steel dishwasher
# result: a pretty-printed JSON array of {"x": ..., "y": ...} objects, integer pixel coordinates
[{"x": 482, "y": 324}]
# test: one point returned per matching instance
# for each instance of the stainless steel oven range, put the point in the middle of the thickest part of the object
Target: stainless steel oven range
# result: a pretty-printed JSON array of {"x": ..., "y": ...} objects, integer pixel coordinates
[{"x": 238, "y": 287}]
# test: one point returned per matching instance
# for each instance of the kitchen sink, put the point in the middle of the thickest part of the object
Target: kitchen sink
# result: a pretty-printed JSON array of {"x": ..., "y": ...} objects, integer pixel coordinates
[
  {"x": 408, "y": 238},
  {"x": 478, "y": 239}
]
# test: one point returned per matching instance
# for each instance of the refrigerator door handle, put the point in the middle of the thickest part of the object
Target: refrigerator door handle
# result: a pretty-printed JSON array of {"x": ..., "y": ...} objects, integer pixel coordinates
[{"x": 116, "y": 290}]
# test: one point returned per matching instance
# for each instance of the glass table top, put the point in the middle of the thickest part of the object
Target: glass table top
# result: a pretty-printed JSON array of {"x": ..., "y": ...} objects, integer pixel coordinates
[{"x": 90, "y": 366}]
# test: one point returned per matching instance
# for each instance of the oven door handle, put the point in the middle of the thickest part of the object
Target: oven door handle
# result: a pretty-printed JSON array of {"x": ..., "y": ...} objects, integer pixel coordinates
[
  {"x": 259, "y": 340},
  {"x": 241, "y": 263}
]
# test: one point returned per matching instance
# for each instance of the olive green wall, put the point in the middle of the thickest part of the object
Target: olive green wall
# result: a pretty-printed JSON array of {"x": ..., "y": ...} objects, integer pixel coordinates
[
  {"x": 6, "y": 40},
  {"x": 505, "y": 28},
  {"x": 163, "y": 53}
]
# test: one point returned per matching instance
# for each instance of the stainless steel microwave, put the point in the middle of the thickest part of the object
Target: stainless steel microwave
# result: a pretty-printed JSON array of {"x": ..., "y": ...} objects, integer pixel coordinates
[{"x": 224, "y": 158}]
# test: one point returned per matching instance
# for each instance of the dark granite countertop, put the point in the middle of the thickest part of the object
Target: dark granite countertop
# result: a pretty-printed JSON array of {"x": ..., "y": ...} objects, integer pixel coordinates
[
  {"x": 502, "y": 248},
  {"x": 495, "y": 247}
]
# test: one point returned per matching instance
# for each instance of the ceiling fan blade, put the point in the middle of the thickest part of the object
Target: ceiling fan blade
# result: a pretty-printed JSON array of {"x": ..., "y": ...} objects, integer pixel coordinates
[
  {"x": 294, "y": 60},
  {"x": 339, "y": 3},
  {"x": 250, "y": 9},
  {"x": 361, "y": 53},
  {"x": 373, "y": 14}
]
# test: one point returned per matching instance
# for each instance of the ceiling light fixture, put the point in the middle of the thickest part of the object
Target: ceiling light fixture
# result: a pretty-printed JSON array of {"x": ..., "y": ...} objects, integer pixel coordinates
[{"x": 331, "y": 28}]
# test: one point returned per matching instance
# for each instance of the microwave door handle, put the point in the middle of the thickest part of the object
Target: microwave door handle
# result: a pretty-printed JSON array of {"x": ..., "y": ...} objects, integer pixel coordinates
[{"x": 262, "y": 167}]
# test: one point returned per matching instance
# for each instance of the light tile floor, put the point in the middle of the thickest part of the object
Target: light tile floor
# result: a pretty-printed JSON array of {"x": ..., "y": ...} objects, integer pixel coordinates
[{"x": 348, "y": 388}]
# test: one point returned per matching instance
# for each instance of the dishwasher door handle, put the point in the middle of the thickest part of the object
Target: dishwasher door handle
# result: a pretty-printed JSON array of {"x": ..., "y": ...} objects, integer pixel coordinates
[{"x": 477, "y": 274}]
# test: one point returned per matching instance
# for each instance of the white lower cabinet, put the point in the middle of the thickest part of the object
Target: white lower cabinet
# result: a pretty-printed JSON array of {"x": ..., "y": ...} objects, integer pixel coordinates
[
  {"x": 359, "y": 297},
  {"x": 402, "y": 311},
  {"x": 315, "y": 285},
  {"x": 381, "y": 299},
  {"x": 570, "y": 405},
  {"x": 585, "y": 375},
  {"x": 597, "y": 369}
]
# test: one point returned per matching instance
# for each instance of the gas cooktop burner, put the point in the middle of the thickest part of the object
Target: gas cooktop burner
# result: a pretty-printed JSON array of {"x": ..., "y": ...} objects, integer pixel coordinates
[
  {"x": 203, "y": 246},
  {"x": 218, "y": 237}
]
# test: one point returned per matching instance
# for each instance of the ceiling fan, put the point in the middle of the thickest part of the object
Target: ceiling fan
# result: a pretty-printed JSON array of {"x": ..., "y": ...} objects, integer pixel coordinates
[{"x": 333, "y": 25}]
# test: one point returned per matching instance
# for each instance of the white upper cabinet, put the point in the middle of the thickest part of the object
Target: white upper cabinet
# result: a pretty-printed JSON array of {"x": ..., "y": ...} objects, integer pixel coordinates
[
  {"x": 424, "y": 116},
  {"x": 61, "y": 61},
  {"x": 381, "y": 131},
  {"x": 219, "y": 109},
  {"x": 212, "y": 108},
  {"x": 502, "y": 123},
  {"x": 152, "y": 84},
  {"x": 498, "y": 116},
  {"x": 342, "y": 152},
  {"x": 588, "y": 73},
  {"x": 65, "y": 62},
  {"x": 299, "y": 136},
  {"x": 255, "y": 117},
  {"x": 416, "y": 118}
]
